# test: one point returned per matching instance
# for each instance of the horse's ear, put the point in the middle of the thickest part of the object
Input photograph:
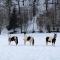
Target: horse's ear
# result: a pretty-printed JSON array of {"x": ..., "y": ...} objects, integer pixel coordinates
[{"x": 9, "y": 35}]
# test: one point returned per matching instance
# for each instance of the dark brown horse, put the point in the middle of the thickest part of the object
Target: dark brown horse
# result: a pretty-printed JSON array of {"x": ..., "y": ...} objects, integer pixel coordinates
[
  {"x": 14, "y": 38},
  {"x": 51, "y": 39}
]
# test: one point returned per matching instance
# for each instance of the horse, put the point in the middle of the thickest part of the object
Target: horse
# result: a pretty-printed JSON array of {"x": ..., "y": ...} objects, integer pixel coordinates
[
  {"x": 51, "y": 39},
  {"x": 14, "y": 38},
  {"x": 29, "y": 39}
]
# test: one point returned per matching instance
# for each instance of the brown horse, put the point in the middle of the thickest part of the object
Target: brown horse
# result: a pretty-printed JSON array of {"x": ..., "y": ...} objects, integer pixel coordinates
[
  {"x": 51, "y": 39},
  {"x": 29, "y": 39},
  {"x": 14, "y": 38}
]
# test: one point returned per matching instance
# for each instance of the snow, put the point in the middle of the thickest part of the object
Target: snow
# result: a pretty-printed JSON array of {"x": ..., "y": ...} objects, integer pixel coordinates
[{"x": 26, "y": 52}]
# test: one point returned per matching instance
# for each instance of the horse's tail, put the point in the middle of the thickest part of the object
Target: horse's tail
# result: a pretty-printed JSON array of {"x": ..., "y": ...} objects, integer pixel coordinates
[
  {"x": 9, "y": 39},
  {"x": 33, "y": 41},
  {"x": 16, "y": 40}
]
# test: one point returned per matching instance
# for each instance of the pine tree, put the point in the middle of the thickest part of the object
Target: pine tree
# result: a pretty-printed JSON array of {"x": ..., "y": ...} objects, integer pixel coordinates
[{"x": 13, "y": 20}]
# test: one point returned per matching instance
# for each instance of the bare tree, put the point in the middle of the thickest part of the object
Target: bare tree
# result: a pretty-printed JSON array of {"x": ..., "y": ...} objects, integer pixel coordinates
[
  {"x": 8, "y": 4},
  {"x": 3, "y": 16}
]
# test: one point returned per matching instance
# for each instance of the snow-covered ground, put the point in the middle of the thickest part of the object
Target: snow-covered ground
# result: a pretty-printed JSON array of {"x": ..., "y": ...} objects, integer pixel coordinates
[{"x": 37, "y": 52}]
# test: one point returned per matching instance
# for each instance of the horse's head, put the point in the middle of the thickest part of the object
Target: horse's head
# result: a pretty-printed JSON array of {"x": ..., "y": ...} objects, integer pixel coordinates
[{"x": 55, "y": 35}]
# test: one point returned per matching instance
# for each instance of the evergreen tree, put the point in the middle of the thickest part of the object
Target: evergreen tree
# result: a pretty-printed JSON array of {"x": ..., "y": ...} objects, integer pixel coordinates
[{"x": 13, "y": 20}]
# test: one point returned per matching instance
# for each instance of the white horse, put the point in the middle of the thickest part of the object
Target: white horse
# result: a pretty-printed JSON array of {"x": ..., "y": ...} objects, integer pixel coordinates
[{"x": 29, "y": 39}]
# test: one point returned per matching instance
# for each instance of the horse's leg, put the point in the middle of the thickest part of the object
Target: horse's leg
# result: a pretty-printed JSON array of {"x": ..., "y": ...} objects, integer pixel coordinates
[
  {"x": 46, "y": 42},
  {"x": 33, "y": 42},
  {"x": 16, "y": 42},
  {"x": 24, "y": 42},
  {"x": 9, "y": 42},
  {"x": 30, "y": 42},
  {"x": 53, "y": 44}
]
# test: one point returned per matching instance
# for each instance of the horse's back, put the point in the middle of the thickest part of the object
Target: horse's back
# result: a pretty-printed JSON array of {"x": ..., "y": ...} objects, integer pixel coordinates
[
  {"x": 50, "y": 38},
  {"x": 28, "y": 38}
]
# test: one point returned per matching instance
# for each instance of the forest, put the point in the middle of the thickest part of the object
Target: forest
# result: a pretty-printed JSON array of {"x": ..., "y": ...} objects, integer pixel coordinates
[{"x": 29, "y": 16}]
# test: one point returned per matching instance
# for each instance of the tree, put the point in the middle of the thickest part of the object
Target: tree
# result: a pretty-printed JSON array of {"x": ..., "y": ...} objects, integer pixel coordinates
[
  {"x": 41, "y": 22},
  {"x": 13, "y": 20},
  {"x": 34, "y": 8},
  {"x": 18, "y": 1},
  {"x": 48, "y": 28},
  {"x": 23, "y": 20},
  {"x": 3, "y": 15},
  {"x": 8, "y": 5}
]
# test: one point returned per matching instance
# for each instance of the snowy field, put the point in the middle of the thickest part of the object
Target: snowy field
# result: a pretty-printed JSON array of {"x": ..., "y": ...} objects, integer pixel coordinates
[{"x": 37, "y": 52}]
